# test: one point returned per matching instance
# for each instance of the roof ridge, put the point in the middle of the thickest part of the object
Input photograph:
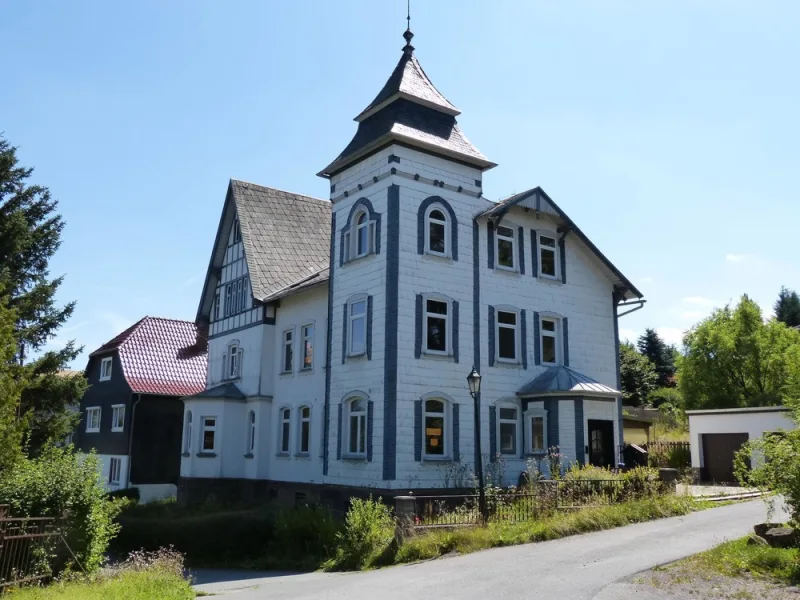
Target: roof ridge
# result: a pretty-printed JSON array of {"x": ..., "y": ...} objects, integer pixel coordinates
[
  {"x": 169, "y": 319},
  {"x": 298, "y": 195}
]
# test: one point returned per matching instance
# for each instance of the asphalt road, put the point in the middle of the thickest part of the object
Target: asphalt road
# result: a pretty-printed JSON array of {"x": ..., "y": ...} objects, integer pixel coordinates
[{"x": 591, "y": 566}]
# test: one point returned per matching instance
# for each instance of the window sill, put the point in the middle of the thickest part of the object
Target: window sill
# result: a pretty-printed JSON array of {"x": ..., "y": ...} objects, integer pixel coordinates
[
  {"x": 504, "y": 362},
  {"x": 285, "y": 374},
  {"x": 303, "y": 456},
  {"x": 249, "y": 455},
  {"x": 113, "y": 430},
  {"x": 360, "y": 355},
  {"x": 104, "y": 379},
  {"x": 436, "y": 459},
  {"x": 536, "y": 454},
  {"x": 309, "y": 371},
  {"x": 355, "y": 457},
  {"x": 508, "y": 270},
  {"x": 358, "y": 258},
  {"x": 436, "y": 256},
  {"x": 206, "y": 455},
  {"x": 186, "y": 454},
  {"x": 92, "y": 431},
  {"x": 283, "y": 455},
  {"x": 550, "y": 280},
  {"x": 437, "y": 355}
]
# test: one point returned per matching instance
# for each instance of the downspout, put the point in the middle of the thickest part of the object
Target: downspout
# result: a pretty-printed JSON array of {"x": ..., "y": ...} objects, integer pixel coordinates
[{"x": 130, "y": 438}]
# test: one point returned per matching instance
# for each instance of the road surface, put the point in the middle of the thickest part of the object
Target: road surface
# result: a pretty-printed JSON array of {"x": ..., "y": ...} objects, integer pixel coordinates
[{"x": 590, "y": 566}]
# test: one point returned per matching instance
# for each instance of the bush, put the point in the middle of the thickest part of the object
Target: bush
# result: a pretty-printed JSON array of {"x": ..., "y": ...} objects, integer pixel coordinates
[
  {"x": 129, "y": 493},
  {"x": 304, "y": 536},
  {"x": 641, "y": 482},
  {"x": 61, "y": 483},
  {"x": 578, "y": 472},
  {"x": 367, "y": 537},
  {"x": 665, "y": 396}
]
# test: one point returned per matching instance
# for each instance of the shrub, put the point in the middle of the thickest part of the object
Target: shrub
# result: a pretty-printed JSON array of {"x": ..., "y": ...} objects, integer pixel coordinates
[
  {"x": 367, "y": 537},
  {"x": 129, "y": 493},
  {"x": 641, "y": 482},
  {"x": 579, "y": 472},
  {"x": 665, "y": 396},
  {"x": 304, "y": 536},
  {"x": 61, "y": 483}
]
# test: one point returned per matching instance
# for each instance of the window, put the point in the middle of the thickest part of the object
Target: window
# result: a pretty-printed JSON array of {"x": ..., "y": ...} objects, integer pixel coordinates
[
  {"x": 118, "y": 417},
  {"x": 357, "y": 333},
  {"x": 228, "y": 299},
  {"x": 549, "y": 334},
  {"x": 187, "y": 433},
  {"x": 308, "y": 347},
  {"x": 216, "y": 306},
  {"x": 288, "y": 351},
  {"x": 93, "y": 419},
  {"x": 359, "y": 240},
  {"x": 362, "y": 235},
  {"x": 209, "y": 438},
  {"x": 114, "y": 469},
  {"x": 286, "y": 425},
  {"x": 305, "y": 429},
  {"x": 433, "y": 423},
  {"x": 507, "y": 338},
  {"x": 504, "y": 246},
  {"x": 356, "y": 432},
  {"x": 437, "y": 329},
  {"x": 437, "y": 239},
  {"x": 232, "y": 361},
  {"x": 251, "y": 432},
  {"x": 237, "y": 232},
  {"x": 548, "y": 266},
  {"x": 105, "y": 368},
  {"x": 508, "y": 424},
  {"x": 537, "y": 432}
]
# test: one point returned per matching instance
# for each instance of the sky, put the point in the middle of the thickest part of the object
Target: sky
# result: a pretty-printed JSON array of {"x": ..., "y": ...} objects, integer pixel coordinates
[{"x": 667, "y": 130}]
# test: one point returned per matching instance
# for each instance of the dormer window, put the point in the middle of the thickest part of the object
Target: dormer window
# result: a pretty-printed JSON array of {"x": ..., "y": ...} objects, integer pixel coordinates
[
  {"x": 548, "y": 257},
  {"x": 359, "y": 240},
  {"x": 504, "y": 248},
  {"x": 105, "y": 368},
  {"x": 437, "y": 232}
]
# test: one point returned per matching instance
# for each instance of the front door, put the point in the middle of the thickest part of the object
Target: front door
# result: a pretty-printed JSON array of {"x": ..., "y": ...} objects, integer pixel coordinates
[{"x": 601, "y": 443}]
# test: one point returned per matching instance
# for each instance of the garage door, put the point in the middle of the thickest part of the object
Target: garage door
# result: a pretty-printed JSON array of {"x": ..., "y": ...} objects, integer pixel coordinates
[{"x": 718, "y": 451}]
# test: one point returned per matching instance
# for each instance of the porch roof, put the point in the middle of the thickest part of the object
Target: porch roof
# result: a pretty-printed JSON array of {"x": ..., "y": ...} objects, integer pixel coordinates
[
  {"x": 225, "y": 390},
  {"x": 562, "y": 380}
]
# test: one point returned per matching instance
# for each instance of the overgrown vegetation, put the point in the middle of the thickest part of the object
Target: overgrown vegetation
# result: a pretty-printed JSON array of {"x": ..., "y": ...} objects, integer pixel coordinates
[
  {"x": 737, "y": 558},
  {"x": 367, "y": 538}
]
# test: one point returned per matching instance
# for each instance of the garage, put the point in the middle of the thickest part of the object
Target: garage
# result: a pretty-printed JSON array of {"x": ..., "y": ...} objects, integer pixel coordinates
[{"x": 716, "y": 435}]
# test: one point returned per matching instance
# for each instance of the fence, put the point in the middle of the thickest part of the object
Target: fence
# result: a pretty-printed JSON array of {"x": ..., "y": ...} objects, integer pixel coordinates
[
  {"x": 27, "y": 546},
  {"x": 676, "y": 455},
  {"x": 540, "y": 498}
]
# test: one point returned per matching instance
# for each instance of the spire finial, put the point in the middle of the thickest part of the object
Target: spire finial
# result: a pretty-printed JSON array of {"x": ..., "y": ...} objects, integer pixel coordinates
[{"x": 408, "y": 35}]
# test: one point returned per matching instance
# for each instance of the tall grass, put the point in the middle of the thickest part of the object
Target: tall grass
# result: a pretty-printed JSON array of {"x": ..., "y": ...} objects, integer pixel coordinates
[{"x": 737, "y": 558}]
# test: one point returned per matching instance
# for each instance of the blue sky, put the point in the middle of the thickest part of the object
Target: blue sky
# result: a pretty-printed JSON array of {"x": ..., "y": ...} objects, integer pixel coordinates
[{"x": 667, "y": 130}]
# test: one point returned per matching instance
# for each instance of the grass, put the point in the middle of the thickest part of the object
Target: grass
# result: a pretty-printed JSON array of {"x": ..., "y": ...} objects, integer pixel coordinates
[
  {"x": 737, "y": 558},
  {"x": 136, "y": 585},
  {"x": 437, "y": 543}
]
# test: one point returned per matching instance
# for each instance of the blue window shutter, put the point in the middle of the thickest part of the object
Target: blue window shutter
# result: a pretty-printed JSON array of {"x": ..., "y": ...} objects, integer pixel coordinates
[
  {"x": 341, "y": 248},
  {"x": 491, "y": 336},
  {"x": 521, "y": 242},
  {"x": 344, "y": 333},
  {"x": 339, "y": 440},
  {"x": 455, "y": 331},
  {"x": 523, "y": 338},
  {"x": 417, "y": 430},
  {"x": 453, "y": 232},
  {"x": 492, "y": 433},
  {"x": 421, "y": 228},
  {"x": 565, "y": 328},
  {"x": 490, "y": 244},
  {"x": 370, "y": 415},
  {"x": 537, "y": 342},
  {"x": 456, "y": 434},
  {"x": 418, "y": 328},
  {"x": 534, "y": 254},
  {"x": 562, "y": 248},
  {"x": 369, "y": 327}
]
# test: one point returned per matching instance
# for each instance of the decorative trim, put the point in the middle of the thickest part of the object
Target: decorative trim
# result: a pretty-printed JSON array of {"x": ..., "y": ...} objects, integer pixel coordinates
[
  {"x": 523, "y": 338},
  {"x": 394, "y": 159},
  {"x": 456, "y": 432},
  {"x": 238, "y": 329},
  {"x": 417, "y": 430},
  {"x": 423, "y": 207},
  {"x": 391, "y": 314},
  {"x": 491, "y": 337},
  {"x": 521, "y": 238},
  {"x": 580, "y": 441},
  {"x": 415, "y": 177},
  {"x": 328, "y": 353}
]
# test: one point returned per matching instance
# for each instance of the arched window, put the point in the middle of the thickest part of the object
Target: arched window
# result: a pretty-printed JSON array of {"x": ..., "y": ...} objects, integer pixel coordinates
[
  {"x": 434, "y": 428},
  {"x": 304, "y": 437},
  {"x": 508, "y": 432},
  {"x": 187, "y": 433},
  {"x": 251, "y": 432},
  {"x": 437, "y": 232},
  {"x": 359, "y": 235},
  {"x": 285, "y": 430},
  {"x": 355, "y": 428},
  {"x": 362, "y": 235}
]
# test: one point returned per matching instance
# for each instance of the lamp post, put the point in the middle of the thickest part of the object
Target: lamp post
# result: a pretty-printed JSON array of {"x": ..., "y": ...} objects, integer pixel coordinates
[{"x": 474, "y": 382}]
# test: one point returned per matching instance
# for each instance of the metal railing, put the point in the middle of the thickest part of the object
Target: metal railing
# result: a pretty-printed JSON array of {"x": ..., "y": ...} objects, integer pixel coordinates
[{"x": 27, "y": 548}]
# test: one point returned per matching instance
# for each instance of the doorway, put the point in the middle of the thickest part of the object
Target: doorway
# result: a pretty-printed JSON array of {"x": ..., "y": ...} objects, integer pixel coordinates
[{"x": 601, "y": 443}]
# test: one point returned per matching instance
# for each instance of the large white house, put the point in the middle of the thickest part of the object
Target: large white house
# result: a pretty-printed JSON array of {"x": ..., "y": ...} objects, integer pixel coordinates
[{"x": 341, "y": 331}]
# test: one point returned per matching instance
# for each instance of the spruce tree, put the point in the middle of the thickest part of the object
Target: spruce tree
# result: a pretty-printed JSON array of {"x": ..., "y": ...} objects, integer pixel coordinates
[
  {"x": 787, "y": 307},
  {"x": 637, "y": 375},
  {"x": 660, "y": 354},
  {"x": 30, "y": 234}
]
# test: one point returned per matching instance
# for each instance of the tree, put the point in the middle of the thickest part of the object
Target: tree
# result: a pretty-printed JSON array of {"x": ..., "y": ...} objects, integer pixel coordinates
[
  {"x": 637, "y": 374},
  {"x": 787, "y": 307},
  {"x": 733, "y": 359},
  {"x": 30, "y": 234},
  {"x": 660, "y": 354},
  {"x": 11, "y": 383}
]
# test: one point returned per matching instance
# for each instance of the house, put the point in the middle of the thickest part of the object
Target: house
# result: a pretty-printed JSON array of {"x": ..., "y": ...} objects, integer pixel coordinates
[
  {"x": 716, "y": 435},
  {"x": 132, "y": 413},
  {"x": 341, "y": 330}
]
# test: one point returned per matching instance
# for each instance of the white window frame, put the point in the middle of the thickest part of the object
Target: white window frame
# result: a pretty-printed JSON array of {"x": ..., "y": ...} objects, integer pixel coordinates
[
  {"x": 530, "y": 414},
  {"x": 187, "y": 432},
  {"x": 114, "y": 475},
  {"x": 307, "y": 341},
  {"x": 350, "y": 319},
  {"x": 106, "y": 366},
  {"x": 517, "y": 328},
  {"x": 446, "y": 416},
  {"x": 513, "y": 239},
  {"x": 361, "y": 415},
  {"x": 216, "y": 305},
  {"x": 232, "y": 361},
  {"x": 250, "y": 433},
  {"x": 228, "y": 300},
  {"x": 447, "y": 234},
  {"x": 91, "y": 410},
  {"x": 204, "y": 428},
  {"x": 448, "y": 334},
  {"x": 284, "y": 430},
  {"x": 556, "y": 254},
  {"x": 117, "y": 410},
  {"x": 556, "y": 335},
  {"x": 303, "y": 421},
  {"x": 517, "y": 422},
  {"x": 350, "y": 239},
  {"x": 287, "y": 346}
]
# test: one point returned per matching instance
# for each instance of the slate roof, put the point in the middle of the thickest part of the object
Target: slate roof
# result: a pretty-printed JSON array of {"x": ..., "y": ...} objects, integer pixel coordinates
[
  {"x": 161, "y": 356},
  {"x": 286, "y": 236},
  {"x": 563, "y": 380},
  {"x": 309, "y": 282},
  {"x": 225, "y": 390}
]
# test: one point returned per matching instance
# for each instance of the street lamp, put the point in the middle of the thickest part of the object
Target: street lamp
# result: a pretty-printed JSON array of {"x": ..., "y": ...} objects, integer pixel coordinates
[{"x": 474, "y": 382}]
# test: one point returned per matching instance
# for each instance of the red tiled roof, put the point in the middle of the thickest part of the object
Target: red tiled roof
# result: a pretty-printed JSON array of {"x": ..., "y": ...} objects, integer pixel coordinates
[{"x": 161, "y": 356}]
